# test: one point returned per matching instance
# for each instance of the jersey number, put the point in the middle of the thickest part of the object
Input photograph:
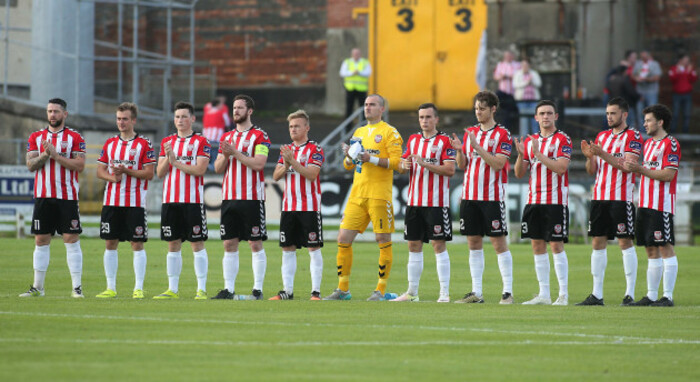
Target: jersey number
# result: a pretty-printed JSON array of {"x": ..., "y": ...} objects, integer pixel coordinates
[
  {"x": 465, "y": 23},
  {"x": 406, "y": 14},
  {"x": 166, "y": 231},
  {"x": 104, "y": 227}
]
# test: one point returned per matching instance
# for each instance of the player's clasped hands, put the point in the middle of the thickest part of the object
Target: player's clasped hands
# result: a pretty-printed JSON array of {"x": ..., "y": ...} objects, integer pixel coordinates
[
  {"x": 520, "y": 145},
  {"x": 456, "y": 142},
  {"x": 227, "y": 148},
  {"x": 49, "y": 148},
  {"x": 287, "y": 155}
]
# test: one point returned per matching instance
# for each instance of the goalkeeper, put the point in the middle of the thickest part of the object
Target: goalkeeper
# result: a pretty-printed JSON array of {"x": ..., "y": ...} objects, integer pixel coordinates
[{"x": 374, "y": 154}]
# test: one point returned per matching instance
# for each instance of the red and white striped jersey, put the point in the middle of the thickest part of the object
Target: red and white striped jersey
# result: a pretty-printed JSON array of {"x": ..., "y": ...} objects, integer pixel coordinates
[
  {"x": 301, "y": 194},
  {"x": 481, "y": 182},
  {"x": 659, "y": 155},
  {"x": 178, "y": 186},
  {"x": 53, "y": 180},
  {"x": 611, "y": 183},
  {"x": 135, "y": 154},
  {"x": 240, "y": 182},
  {"x": 426, "y": 188},
  {"x": 546, "y": 186}
]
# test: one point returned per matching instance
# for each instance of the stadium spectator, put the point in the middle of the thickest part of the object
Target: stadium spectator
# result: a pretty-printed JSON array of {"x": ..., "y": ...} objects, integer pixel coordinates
[
  {"x": 374, "y": 154},
  {"x": 657, "y": 204},
  {"x": 527, "y": 82},
  {"x": 355, "y": 72},
  {"x": 546, "y": 215},
  {"x": 628, "y": 62},
  {"x": 182, "y": 162},
  {"x": 612, "y": 210},
  {"x": 484, "y": 158},
  {"x": 215, "y": 122},
  {"x": 646, "y": 73},
  {"x": 620, "y": 85},
  {"x": 126, "y": 163},
  {"x": 56, "y": 155},
  {"x": 430, "y": 161},
  {"x": 244, "y": 151},
  {"x": 504, "y": 72},
  {"x": 301, "y": 224},
  {"x": 683, "y": 76}
]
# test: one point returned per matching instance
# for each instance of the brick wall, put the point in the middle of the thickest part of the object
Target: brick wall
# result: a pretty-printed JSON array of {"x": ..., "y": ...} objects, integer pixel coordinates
[
  {"x": 672, "y": 26},
  {"x": 340, "y": 13}
]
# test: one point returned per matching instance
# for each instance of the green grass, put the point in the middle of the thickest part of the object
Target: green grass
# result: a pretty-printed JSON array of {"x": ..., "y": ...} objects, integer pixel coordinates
[{"x": 57, "y": 338}]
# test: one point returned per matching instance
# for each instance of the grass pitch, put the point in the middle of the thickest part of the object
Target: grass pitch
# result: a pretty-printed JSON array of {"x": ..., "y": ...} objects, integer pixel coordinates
[{"x": 57, "y": 338}]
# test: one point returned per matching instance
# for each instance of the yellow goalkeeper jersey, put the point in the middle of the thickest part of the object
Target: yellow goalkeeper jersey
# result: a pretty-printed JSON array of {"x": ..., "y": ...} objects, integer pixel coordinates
[{"x": 370, "y": 181}]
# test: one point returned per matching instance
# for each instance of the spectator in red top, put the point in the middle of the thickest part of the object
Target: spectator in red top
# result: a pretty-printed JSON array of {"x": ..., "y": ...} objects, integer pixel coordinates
[
  {"x": 682, "y": 76},
  {"x": 215, "y": 122}
]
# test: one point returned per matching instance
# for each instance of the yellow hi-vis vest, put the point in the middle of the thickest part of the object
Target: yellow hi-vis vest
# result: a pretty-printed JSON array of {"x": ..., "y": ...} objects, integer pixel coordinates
[{"x": 356, "y": 82}]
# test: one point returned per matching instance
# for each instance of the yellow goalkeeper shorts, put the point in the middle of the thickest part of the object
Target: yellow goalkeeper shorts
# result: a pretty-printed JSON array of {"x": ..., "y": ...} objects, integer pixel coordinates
[{"x": 359, "y": 212}]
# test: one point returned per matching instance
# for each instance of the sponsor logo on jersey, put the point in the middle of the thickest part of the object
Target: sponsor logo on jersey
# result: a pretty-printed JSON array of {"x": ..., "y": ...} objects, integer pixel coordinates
[
  {"x": 451, "y": 153},
  {"x": 117, "y": 162},
  {"x": 673, "y": 158},
  {"x": 373, "y": 152},
  {"x": 266, "y": 144},
  {"x": 634, "y": 145},
  {"x": 207, "y": 150},
  {"x": 566, "y": 150},
  {"x": 150, "y": 154},
  {"x": 28, "y": 146},
  {"x": 185, "y": 158},
  {"x": 505, "y": 146},
  {"x": 81, "y": 146},
  {"x": 317, "y": 157}
]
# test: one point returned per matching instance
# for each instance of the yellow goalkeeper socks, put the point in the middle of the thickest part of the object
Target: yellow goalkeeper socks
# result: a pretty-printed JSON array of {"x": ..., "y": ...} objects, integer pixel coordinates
[
  {"x": 385, "y": 260},
  {"x": 344, "y": 259}
]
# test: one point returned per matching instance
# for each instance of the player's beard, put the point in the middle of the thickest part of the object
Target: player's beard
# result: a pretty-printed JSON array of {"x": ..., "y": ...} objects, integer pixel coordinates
[
  {"x": 240, "y": 118},
  {"x": 56, "y": 123},
  {"x": 615, "y": 124}
]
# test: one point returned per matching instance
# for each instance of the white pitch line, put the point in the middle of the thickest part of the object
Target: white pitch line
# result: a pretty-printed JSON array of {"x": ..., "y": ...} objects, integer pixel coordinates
[
  {"x": 607, "y": 339},
  {"x": 327, "y": 343}
]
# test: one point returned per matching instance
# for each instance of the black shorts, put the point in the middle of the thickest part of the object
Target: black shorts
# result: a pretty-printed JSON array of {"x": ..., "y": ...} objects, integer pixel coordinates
[
  {"x": 548, "y": 222},
  {"x": 183, "y": 221},
  {"x": 243, "y": 220},
  {"x": 55, "y": 216},
  {"x": 612, "y": 219},
  {"x": 427, "y": 223},
  {"x": 301, "y": 229},
  {"x": 654, "y": 228},
  {"x": 479, "y": 218},
  {"x": 123, "y": 224}
]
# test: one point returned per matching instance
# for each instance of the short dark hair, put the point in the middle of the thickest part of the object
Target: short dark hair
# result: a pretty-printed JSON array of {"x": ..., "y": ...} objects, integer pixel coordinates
[
  {"x": 60, "y": 102},
  {"x": 215, "y": 102},
  {"x": 488, "y": 97},
  {"x": 629, "y": 52},
  {"x": 428, "y": 105},
  {"x": 382, "y": 101},
  {"x": 124, "y": 106},
  {"x": 185, "y": 105},
  {"x": 249, "y": 103},
  {"x": 661, "y": 112},
  {"x": 546, "y": 102},
  {"x": 621, "y": 103}
]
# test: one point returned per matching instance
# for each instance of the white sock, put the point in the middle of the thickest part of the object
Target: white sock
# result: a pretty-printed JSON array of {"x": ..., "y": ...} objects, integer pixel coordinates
[
  {"x": 561, "y": 268},
  {"x": 414, "y": 269},
  {"x": 230, "y": 265},
  {"x": 201, "y": 268},
  {"x": 599, "y": 260},
  {"x": 111, "y": 263},
  {"x": 289, "y": 268},
  {"x": 505, "y": 265},
  {"x": 42, "y": 255},
  {"x": 654, "y": 272},
  {"x": 442, "y": 260},
  {"x": 629, "y": 260},
  {"x": 140, "y": 261},
  {"x": 670, "y": 273},
  {"x": 316, "y": 268},
  {"x": 476, "y": 268},
  {"x": 74, "y": 258},
  {"x": 174, "y": 268},
  {"x": 542, "y": 271},
  {"x": 259, "y": 267}
]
